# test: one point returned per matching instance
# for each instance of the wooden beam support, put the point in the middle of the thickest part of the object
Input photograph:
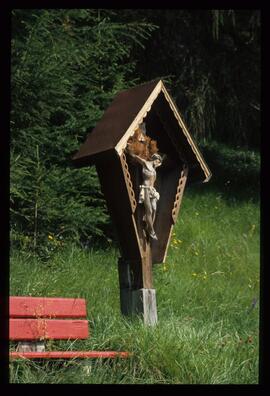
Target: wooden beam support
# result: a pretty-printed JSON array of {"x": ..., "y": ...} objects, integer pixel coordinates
[
  {"x": 134, "y": 300},
  {"x": 147, "y": 271}
]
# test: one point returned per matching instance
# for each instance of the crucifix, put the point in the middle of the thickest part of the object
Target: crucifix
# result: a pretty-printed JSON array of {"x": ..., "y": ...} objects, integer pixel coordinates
[
  {"x": 142, "y": 187},
  {"x": 143, "y": 151}
]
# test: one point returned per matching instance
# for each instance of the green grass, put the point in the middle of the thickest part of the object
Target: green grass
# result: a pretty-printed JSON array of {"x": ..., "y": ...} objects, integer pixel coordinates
[{"x": 207, "y": 330}]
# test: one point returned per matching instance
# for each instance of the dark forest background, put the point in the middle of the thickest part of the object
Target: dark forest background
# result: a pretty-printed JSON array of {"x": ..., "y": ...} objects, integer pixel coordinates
[{"x": 66, "y": 67}]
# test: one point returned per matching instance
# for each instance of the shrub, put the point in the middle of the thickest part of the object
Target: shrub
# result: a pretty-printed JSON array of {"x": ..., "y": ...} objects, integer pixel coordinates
[{"x": 233, "y": 167}]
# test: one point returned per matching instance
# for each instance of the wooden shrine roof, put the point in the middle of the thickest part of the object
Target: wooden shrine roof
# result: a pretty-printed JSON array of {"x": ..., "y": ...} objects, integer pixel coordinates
[{"x": 122, "y": 118}]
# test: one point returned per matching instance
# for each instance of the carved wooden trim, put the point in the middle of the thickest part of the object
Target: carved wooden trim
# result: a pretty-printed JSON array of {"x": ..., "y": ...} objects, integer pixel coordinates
[
  {"x": 128, "y": 181},
  {"x": 138, "y": 119},
  {"x": 139, "y": 240},
  {"x": 186, "y": 133},
  {"x": 168, "y": 243},
  {"x": 179, "y": 192}
]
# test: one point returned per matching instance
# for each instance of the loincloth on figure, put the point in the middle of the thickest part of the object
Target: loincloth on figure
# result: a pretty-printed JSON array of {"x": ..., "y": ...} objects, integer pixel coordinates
[{"x": 153, "y": 194}]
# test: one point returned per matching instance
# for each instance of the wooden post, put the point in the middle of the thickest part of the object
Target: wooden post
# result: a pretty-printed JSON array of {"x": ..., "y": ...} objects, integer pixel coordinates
[
  {"x": 136, "y": 300},
  {"x": 125, "y": 283},
  {"x": 31, "y": 346},
  {"x": 147, "y": 265},
  {"x": 137, "y": 296},
  {"x": 144, "y": 300}
]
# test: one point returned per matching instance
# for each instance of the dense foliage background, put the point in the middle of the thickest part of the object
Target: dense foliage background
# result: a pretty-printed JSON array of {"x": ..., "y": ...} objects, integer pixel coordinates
[{"x": 66, "y": 67}]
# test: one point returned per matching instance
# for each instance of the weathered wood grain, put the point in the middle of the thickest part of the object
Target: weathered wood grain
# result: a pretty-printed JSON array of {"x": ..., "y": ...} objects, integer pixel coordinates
[
  {"x": 38, "y": 329},
  {"x": 144, "y": 302},
  {"x": 32, "y": 307}
]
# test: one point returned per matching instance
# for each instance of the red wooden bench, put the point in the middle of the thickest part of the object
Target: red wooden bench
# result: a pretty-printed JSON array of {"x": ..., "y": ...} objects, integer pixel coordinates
[{"x": 34, "y": 320}]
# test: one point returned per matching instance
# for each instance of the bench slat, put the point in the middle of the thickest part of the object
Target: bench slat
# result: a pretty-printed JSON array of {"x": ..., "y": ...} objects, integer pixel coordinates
[
  {"x": 27, "y": 307},
  {"x": 69, "y": 355},
  {"x": 34, "y": 329}
]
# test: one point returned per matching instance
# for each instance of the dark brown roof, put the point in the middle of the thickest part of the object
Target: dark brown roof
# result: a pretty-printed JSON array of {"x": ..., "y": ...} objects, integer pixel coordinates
[
  {"x": 123, "y": 116},
  {"x": 115, "y": 122}
]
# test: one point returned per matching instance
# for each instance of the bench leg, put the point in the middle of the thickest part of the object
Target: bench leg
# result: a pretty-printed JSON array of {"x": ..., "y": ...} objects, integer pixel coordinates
[{"x": 31, "y": 346}]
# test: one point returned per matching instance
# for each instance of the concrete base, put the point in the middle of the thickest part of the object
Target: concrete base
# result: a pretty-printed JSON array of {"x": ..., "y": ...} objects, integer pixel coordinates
[
  {"x": 135, "y": 300},
  {"x": 140, "y": 302},
  {"x": 144, "y": 302}
]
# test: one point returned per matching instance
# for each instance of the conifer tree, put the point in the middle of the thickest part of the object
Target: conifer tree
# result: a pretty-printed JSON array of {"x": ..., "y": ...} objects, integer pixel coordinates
[{"x": 67, "y": 65}]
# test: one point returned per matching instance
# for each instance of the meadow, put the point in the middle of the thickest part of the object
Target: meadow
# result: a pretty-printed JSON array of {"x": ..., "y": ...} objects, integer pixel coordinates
[{"x": 207, "y": 299}]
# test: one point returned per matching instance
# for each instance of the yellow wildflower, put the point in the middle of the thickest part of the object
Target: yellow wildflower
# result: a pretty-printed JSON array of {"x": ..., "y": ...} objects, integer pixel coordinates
[
  {"x": 252, "y": 229},
  {"x": 50, "y": 237}
]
